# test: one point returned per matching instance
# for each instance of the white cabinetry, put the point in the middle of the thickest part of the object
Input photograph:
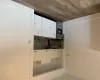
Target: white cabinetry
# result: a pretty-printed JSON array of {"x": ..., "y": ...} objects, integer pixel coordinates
[
  {"x": 37, "y": 25},
  {"x": 40, "y": 55},
  {"x": 47, "y": 63},
  {"x": 44, "y": 27},
  {"x": 45, "y": 56},
  {"x": 49, "y": 28},
  {"x": 51, "y": 54}
]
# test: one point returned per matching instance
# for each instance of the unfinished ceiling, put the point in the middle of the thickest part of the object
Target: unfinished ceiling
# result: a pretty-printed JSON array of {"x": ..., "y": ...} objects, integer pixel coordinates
[{"x": 62, "y": 10}]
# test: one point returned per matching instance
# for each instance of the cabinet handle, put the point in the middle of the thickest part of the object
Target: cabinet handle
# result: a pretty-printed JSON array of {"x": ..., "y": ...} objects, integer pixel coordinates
[
  {"x": 35, "y": 51},
  {"x": 29, "y": 41}
]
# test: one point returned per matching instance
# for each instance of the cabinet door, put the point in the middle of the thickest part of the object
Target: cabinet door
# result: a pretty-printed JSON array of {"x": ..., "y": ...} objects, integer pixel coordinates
[
  {"x": 40, "y": 55},
  {"x": 53, "y": 29},
  {"x": 37, "y": 25},
  {"x": 45, "y": 27},
  {"x": 53, "y": 54},
  {"x": 49, "y": 28}
]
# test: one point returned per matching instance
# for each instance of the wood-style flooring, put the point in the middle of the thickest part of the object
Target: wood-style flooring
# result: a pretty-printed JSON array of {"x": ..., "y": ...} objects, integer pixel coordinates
[{"x": 67, "y": 77}]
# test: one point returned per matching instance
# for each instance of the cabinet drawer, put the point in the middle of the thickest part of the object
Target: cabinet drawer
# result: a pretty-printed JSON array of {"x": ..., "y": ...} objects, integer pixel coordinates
[
  {"x": 53, "y": 54},
  {"x": 40, "y": 56}
]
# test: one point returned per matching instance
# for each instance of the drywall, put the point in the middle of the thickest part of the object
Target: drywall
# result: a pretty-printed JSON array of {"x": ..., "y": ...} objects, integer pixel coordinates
[
  {"x": 16, "y": 43},
  {"x": 82, "y": 47},
  {"x": 15, "y": 32}
]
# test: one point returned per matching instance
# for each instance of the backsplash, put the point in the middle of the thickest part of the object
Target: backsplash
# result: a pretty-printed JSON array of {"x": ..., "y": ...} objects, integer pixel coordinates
[{"x": 47, "y": 43}]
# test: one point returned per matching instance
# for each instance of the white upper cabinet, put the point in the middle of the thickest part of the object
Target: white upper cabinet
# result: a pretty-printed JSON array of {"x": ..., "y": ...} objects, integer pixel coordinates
[
  {"x": 49, "y": 28},
  {"x": 37, "y": 25},
  {"x": 53, "y": 29},
  {"x": 44, "y": 27}
]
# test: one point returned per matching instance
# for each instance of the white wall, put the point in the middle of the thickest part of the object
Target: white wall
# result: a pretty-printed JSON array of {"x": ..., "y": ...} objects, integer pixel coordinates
[
  {"x": 82, "y": 47},
  {"x": 15, "y": 32},
  {"x": 16, "y": 54}
]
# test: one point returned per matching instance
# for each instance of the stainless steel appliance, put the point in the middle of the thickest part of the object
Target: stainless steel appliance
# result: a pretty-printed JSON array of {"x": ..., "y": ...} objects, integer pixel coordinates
[{"x": 59, "y": 32}]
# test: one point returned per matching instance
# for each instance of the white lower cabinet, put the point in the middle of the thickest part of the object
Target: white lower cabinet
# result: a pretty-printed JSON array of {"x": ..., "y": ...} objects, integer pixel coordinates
[
  {"x": 54, "y": 57},
  {"x": 46, "y": 63},
  {"x": 51, "y": 54},
  {"x": 45, "y": 56},
  {"x": 40, "y": 55}
]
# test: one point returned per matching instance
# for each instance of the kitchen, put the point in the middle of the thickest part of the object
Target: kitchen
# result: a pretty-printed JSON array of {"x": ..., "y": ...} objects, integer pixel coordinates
[
  {"x": 52, "y": 41},
  {"x": 48, "y": 45}
]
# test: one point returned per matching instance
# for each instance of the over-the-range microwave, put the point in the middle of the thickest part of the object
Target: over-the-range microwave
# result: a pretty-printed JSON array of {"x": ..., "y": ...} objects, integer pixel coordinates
[{"x": 59, "y": 30}]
